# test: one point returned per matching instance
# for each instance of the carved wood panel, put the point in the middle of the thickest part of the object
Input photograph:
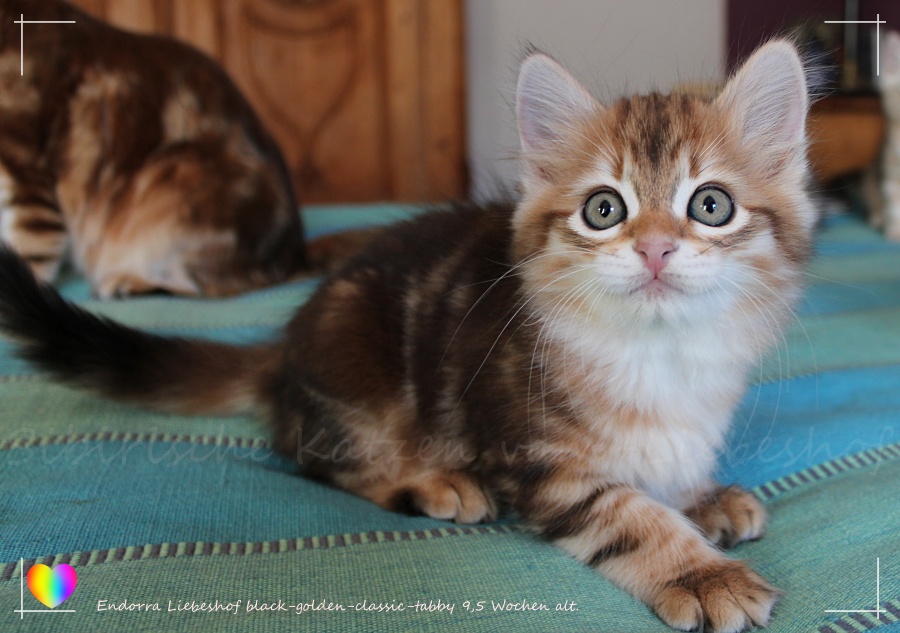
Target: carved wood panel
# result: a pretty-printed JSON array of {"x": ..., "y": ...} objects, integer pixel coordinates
[
  {"x": 364, "y": 96},
  {"x": 308, "y": 68},
  {"x": 143, "y": 16}
]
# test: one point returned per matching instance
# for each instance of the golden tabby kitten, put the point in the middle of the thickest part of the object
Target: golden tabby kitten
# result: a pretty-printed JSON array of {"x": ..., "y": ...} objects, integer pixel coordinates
[
  {"x": 138, "y": 158},
  {"x": 577, "y": 358}
]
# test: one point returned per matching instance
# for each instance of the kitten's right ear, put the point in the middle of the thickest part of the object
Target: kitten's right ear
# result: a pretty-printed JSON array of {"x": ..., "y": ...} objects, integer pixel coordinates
[
  {"x": 549, "y": 101},
  {"x": 768, "y": 98}
]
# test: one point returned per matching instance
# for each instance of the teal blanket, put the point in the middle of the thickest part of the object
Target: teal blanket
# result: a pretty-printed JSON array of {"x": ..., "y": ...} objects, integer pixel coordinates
[{"x": 193, "y": 524}]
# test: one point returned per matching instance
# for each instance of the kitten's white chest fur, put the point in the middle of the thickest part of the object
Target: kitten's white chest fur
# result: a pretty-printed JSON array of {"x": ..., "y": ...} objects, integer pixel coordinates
[{"x": 672, "y": 396}]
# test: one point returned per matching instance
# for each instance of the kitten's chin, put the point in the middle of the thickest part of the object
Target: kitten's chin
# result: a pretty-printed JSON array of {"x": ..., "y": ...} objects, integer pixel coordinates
[
  {"x": 658, "y": 290},
  {"x": 659, "y": 299}
]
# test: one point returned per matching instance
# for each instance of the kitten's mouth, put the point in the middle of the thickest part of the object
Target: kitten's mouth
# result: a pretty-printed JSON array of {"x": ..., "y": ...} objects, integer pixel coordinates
[{"x": 657, "y": 287}]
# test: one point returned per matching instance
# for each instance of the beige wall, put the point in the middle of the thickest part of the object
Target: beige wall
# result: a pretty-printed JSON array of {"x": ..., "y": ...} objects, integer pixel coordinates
[{"x": 613, "y": 46}]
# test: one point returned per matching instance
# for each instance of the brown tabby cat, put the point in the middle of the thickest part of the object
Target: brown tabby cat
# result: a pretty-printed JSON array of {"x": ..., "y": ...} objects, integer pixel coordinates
[
  {"x": 139, "y": 159},
  {"x": 577, "y": 358}
]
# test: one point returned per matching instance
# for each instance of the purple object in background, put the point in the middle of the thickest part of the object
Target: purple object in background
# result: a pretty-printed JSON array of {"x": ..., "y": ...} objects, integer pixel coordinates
[{"x": 750, "y": 23}]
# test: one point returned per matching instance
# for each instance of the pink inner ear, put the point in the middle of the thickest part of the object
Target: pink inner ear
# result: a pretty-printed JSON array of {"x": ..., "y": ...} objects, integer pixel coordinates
[
  {"x": 548, "y": 100},
  {"x": 769, "y": 95},
  {"x": 534, "y": 133},
  {"x": 794, "y": 125}
]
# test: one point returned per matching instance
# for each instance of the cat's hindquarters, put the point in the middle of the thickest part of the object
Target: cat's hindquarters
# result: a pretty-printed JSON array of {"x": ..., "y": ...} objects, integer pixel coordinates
[
  {"x": 121, "y": 363},
  {"x": 161, "y": 232}
]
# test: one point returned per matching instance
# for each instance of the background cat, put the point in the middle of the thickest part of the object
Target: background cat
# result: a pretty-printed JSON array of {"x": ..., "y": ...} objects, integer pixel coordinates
[
  {"x": 137, "y": 158},
  {"x": 577, "y": 358}
]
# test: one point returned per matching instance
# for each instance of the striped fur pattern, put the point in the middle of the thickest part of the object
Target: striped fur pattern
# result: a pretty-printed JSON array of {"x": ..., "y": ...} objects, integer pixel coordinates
[
  {"x": 137, "y": 159},
  {"x": 882, "y": 180},
  {"x": 481, "y": 359}
]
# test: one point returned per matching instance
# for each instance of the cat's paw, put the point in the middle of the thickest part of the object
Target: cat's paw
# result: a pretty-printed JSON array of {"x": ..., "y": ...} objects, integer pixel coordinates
[
  {"x": 725, "y": 596},
  {"x": 728, "y": 516},
  {"x": 449, "y": 495},
  {"x": 117, "y": 286}
]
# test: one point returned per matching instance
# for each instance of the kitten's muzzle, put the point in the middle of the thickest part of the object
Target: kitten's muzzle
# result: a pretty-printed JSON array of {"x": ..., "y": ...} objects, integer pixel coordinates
[{"x": 655, "y": 252}]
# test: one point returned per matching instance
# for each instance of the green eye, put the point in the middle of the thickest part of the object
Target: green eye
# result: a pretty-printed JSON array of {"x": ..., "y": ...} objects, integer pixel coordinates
[
  {"x": 604, "y": 209},
  {"x": 711, "y": 206}
]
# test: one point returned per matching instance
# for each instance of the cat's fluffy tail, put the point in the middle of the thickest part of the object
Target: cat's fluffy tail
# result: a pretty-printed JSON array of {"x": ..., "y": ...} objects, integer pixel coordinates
[{"x": 92, "y": 352}]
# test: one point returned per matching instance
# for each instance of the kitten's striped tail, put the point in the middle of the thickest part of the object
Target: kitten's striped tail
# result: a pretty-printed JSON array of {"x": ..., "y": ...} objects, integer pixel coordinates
[{"x": 118, "y": 362}]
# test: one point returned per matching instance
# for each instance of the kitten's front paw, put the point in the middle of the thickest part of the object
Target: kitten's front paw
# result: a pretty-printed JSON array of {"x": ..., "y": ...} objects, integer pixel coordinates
[
  {"x": 123, "y": 285},
  {"x": 728, "y": 516},
  {"x": 449, "y": 495},
  {"x": 723, "y": 597}
]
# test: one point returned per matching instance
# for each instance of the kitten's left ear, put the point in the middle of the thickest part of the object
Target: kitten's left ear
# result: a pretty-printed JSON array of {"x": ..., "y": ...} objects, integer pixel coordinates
[
  {"x": 549, "y": 102},
  {"x": 768, "y": 98}
]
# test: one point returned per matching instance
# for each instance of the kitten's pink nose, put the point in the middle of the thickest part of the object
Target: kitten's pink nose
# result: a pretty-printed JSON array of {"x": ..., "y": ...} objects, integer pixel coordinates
[{"x": 655, "y": 251}]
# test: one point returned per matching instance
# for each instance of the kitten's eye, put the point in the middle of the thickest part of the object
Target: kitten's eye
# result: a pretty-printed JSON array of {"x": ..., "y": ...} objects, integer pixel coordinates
[
  {"x": 711, "y": 206},
  {"x": 604, "y": 209}
]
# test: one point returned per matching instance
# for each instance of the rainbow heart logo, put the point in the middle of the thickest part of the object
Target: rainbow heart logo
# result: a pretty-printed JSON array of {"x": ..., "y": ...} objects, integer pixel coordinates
[{"x": 52, "y": 587}]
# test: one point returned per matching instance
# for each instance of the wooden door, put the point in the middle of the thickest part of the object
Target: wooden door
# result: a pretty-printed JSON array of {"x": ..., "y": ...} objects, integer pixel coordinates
[{"x": 364, "y": 96}]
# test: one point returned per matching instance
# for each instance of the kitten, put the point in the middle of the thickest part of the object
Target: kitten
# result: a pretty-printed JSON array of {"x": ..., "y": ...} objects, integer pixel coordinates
[
  {"x": 881, "y": 183},
  {"x": 576, "y": 359},
  {"x": 138, "y": 158}
]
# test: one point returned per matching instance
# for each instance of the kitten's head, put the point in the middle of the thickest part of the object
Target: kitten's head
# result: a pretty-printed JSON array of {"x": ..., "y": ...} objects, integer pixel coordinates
[{"x": 664, "y": 207}]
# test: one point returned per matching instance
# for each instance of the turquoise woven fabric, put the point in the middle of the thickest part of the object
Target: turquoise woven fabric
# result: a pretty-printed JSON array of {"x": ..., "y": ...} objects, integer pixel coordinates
[{"x": 154, "y": 509}]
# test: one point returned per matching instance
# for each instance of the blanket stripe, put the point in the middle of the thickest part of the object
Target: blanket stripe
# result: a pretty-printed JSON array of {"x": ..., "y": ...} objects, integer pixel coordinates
[
  {"x": 201, "y": 548},
  {"x": 862, "y": 621},
  {"x": 825, "y": 470}
]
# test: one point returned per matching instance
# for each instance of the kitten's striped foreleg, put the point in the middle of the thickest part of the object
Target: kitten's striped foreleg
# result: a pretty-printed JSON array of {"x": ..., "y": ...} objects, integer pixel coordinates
[{"x": 653, "y": 552}]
